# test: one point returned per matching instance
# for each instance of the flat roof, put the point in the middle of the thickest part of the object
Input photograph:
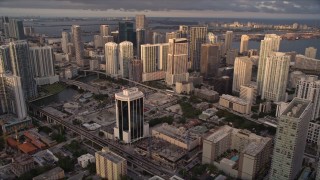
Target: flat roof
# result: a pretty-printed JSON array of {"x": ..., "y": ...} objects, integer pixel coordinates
[
  {"x": 255, "y": 147},
  {"x": 115, "y": 158},
  {"x": 296, "y": 108},
  {"x": 49, "y": 173},
  {"x": 234, "y": 99},
  {"x": 219, "y": 134}
]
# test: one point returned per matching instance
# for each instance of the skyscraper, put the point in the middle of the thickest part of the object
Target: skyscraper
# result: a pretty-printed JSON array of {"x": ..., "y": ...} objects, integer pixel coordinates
[
  {"x": 65, "y": 41},
  {"x": 112, "y": 58},
  {"x": 109, "y": 165},
  {"x": 41, "y": 59},
  {"x": 177, "y": 66},
  {"x": 16, "y": 29},
  {"x": 242, "y": 73},
  {"x": 311, "y": 52},
  {"x": 11, "y": 96},
  {"x": 228, "y": 41},
  {"x": 141, "y": 39},
  {"x": 198, "y": 36},
  {"x": 157, "y": 38},
  {"x": 130, "y": 124},
  {"x": 171, "y": 35},
  {"x": 244, "y": 43},
  {"x": 135, "y": 70},
  {"x": 211, "y": 38},
  {"x": 126, "y": 32},
  {"x": 125, "y": 55},
  {"x": 98, "y": 41},
  {"x": 150, "y": 57},
  {"x": 184, "y": 30},
  {"x": 271, "y": 43},
  {"x": 5, "y": 61},
  {"x": 290, "y": 140},
  {"x": 209, "y": 63},
  {"x": 309, "y": 88},
  {"x": 104, "y": 30},
  {"x": 21, "y": 66},
  {"x": 163, "y": 56},
  {"x": 78, "y": 45},
  {"x": 141, "y": 21},
  {"x": 276, "y": 77}
]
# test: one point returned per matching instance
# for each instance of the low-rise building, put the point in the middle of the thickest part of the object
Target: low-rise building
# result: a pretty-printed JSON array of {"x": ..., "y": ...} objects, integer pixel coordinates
[
  {"x": 22, "y": 164},
  {"x": 207, "y": 94},
  {"x": 236, "y": 104},
  {"x": 184, "y": 87},
  {"x": 54, "y": 174},
  {"x": 85, "y": 159}
]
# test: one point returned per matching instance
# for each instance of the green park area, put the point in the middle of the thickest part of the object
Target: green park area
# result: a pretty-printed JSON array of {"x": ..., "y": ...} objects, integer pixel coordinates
[{"x": 53, "y": 88}]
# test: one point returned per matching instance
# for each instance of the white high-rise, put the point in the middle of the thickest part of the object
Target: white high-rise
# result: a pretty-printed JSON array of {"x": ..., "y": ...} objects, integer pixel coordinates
[
  {"x": 271, "y": 43},
  {"x": 244, "y": 43},
  {"x": 276, "y": 77},
  {"x": 111, "y": 55},
  {"x": 309, "y": 88},
  {"x": 198, "y": 36},
  {"x": 149, "y": 57},
  {"x": 228, "y": 41},
  {"x": 177, "y": 66},
  {"x": 104, "y": 30},
  {"x": 125, "y": 55},
  {"x": 211, "y": 38},
  {"x": 311, "y": 52},
  {"x": 290, "y": 140},
  {"x": 65, "y": 41},
  {"x": 242, "y": 73}
]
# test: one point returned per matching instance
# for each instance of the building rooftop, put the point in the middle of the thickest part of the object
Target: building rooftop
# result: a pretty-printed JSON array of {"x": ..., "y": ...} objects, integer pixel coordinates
[
  {"x": 255, "y": 147},
  {"x": 180, "y": 134},
  {"x": 296, "y": 108},
  {"x": 219, "y": 134},
  {"x": 115, "y": 158},
  {"x": 27, "y": 148},
  {"x": 130, "y": 93},
  {"x": 49, "y": 174},
  {"x": 234, "y": 99},
  {"x": 23, "y": 159}
]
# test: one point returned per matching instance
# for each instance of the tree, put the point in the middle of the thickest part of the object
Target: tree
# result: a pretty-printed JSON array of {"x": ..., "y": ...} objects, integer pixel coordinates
[
  {"x": 101, "y": 133},
  {"x": 66, "y": 163},
  {"x": 92, "y": 168},
  {"x": 2, "y": 143}
]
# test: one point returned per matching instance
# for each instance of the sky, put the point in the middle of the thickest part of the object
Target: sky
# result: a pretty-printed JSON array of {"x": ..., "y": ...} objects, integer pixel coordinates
[{"x": 289, "y": 9}]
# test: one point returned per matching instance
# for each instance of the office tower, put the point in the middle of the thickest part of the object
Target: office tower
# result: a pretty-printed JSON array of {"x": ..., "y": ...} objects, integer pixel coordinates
[
  {"x": 16, "y": 29},
  {"x": 5, "y": 61},
  {"x": 271, "y": 43},
  {"x": 244, "y": 43},
  {"x": 150, "y": 57},
  {"x": 177, "y": 66},
  {"x": 311, "y": 52},
  {"x": 21, "y": 66},
  {"x": 228, "y": 38},
  {"x": 126, "y": 32},
  {"x": 98, "y": 41},
  {"x": 276, "y": 77},
  {"x": 41, "y": 59},
  {"x": 211, "y": 38},
  {"x": 157, "y": 38},
  {"x": 141, "y": 39},
  {"x": 172, "y": 35},
  {"x": 135, "y": 70},
  {"x": 28, "y": 31},
  {"x": 242, "y": 73},
  {"x": 3, "y": 19},
  {"x": 248, "y": 92},
  {"x": 125, "y": 55},
  {"x": 141, "y": 21},
  {"x": 104, "y": 30},
  {"x": 106, "y": 39},
  {"x": 64, "y": 42},
  {"x": 163, "y": 56},
  {"x": 109, "y": 165},
  {"x": 231, "y": 56},
  {"x": 6, "y": 30},
  {"x": 78, "y": 45},
  {"x": 198, "y": 36},
  {"x": 111, "y": 55},
  {"x": 184, "y": 30},
  {"x": 309, "y": 88},
  {"x": 130, "y": 124},
  {"x": 209, "y": 63},
  {"x": 11, "y": 96},
  {"x": 290, "y": 140}
]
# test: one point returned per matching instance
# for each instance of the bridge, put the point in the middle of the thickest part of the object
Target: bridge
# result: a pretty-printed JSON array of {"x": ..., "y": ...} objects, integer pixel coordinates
[{"x": 133, "y": 159}]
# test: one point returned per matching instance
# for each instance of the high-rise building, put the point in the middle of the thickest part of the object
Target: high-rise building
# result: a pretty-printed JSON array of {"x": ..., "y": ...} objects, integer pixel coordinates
[
  {"x": 271, "y": 43},
  {"x": 311, "y": 52},
  {"x": 112, "y": 58},
  {"x": 198, "y": 36},
  {"x": 130, "y": 125},
  {"x": 210, "y": 60},
  {"x": 163, "y": 56},
  {"x": 65, "y": 41},
  {"x": 78, "y": 45},
  {"x": 135, "y": 70},
  {"x": 184, "y": 30},
  {"x": 28, "y": 31},
  {"x": 211, "y": 38},
  {"x": 242, "y": 73},
  {"x": 104, "y": 30},
  {"x": 16, "y": 29},
  {"x": 109, "y": 165},
  {"x": 248, "y": 92},
  {"x": 309, "y": 88},
  {"x": 141, "y": 39},
  {"x": 290, "y": 140},
  {"x": 177, "y": 66},
  {"x": 125, "y": 55},
  {"x": 11, "y": 96},
  {"x": 276, "y": 77},
  {"x": 42, "y": 64},
  {"x": 172, "y": 35},
  {"x": 231, "y": 56},
  {"x": 5, "y": 61},
  {"x": 228, "y": 38},
  {"x": 22, "y": 67},
  {"x": 98, "y": 41},
  {"x": 141, "y": 21},
  {"x": 244, "y": 43},
  {"x": 157, "y": 38},
  {"x": 106, "y": 39},
  {"x": 126, "y": 32},
  {"x": 150, "y": 57},
  {"x": 6, "y": 30}
]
